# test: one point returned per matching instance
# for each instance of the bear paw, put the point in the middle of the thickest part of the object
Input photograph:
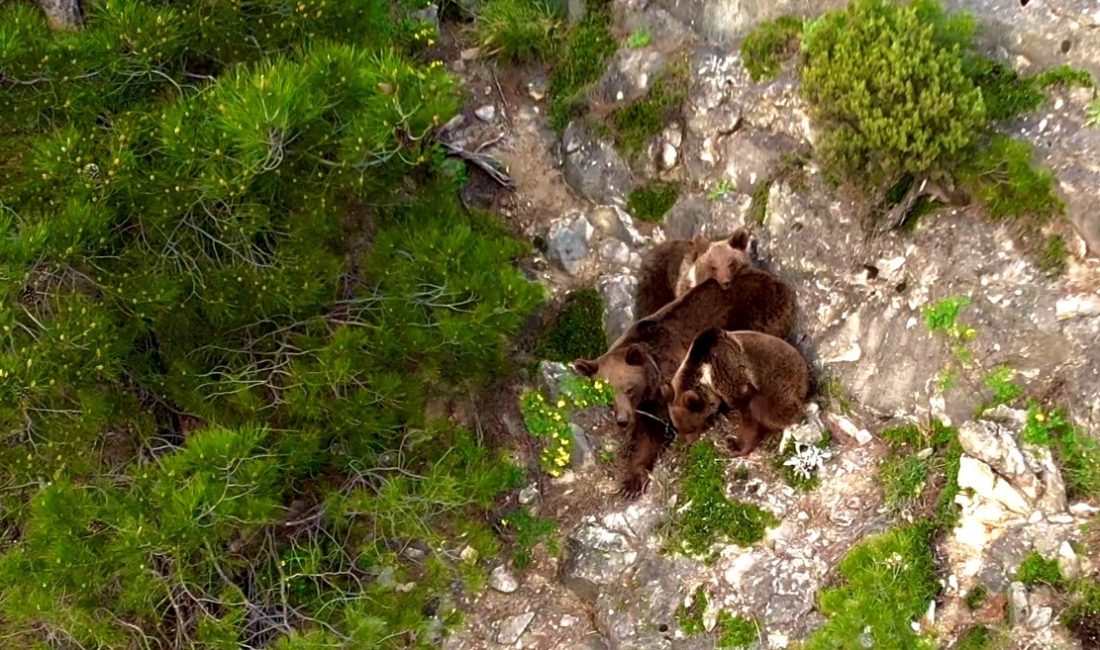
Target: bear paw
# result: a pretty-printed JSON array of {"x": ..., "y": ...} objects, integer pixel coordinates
[{"x": 634, "y": 485}]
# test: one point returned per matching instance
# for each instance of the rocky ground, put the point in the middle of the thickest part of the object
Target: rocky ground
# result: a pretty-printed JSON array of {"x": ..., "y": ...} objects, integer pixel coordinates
[{"x": 861, "y": 300}]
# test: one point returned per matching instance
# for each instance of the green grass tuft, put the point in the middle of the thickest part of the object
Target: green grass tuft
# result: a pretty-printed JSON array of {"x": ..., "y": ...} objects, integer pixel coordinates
[
  {"x": 708, "y": 515},
  {"x": 902, "y": 435},
  {"x": 650, "y": 202},
  {"x": 578, "y": 329},
  {"x": 1077, "y": 453},
  {"x": 639, "y": 38},
  {"x": 586, "y": 47},
  {"x": 1053, "y": 256},
  {"x": 736, "y": 631},
  {"x": 517, "y": 30},
  {"x": 1036, "y": 570},
  {"x": 769, "y": 44},
  {"x": 887, "y": 582},
  {"x": 903, "y": 479},
  {"x": 525, "y": 531},
  {"x": 1002, "y": 175},
  {"x": 946, "y": 439},
  {"x": 976, "y": 597},
  {"x": 1065, "y": 75},
  {"x": 638, "y": 122}
]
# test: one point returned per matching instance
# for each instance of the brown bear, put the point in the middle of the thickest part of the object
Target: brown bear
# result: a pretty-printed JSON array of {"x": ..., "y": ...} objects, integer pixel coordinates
[
  {"x": 671, "y": 268},
  {"x": 721, "y": 260},
  {"x": 764, "y": 378},
  {"x": 648, "y": 354}
]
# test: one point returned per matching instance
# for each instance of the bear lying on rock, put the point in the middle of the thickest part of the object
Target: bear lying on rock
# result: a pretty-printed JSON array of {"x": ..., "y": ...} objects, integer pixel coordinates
[
  {"x": 762, "y": 377},
  {"x": 671, "y": 269},
  {"x": 648, "y": 354}
]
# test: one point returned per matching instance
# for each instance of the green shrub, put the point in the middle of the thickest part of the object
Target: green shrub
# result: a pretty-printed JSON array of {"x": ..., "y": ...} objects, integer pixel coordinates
[
  {"x": 887, "y": 85},
  {"x": 638, "y": 122},
  {"x": 581, "y": 62},
  {"x": 517, "y": 30},
  {"x": 770, "y": 43},
  {"x": 1077, "y": 453},
  {"x": 578, "y": 329},
  {"x": 708, "y": 515},
  {"x": 650, "y": 202},
  {"x": 1001, "y": 174},
  {"x": 895, "y": 568},
  {"x": 1036, "y": 569},
  {"x": 235, "y": 272}
]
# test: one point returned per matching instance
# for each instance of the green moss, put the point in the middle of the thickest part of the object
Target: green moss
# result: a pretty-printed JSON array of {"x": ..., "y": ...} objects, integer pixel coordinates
[
  {"x": 886, "y": 582},
  {"x": 517, "y": 30},
  {"x": 1065, "y": 75},
  {"x": 587, "y": 46},
  {"x": 708, "y": 515},
  {"x": 1002, "y": 176},
  {"x": 976, "y": 597},
  {"x": 886, "y": 84},
  {"x": 639, "y": 38},
  {"x": 903, "y": 479},
  {"x": 1053, "y": 256},
  {"x": 638, "y": 122},
  {"x": 758, "y": 209},
  {"x": 1077, "y": 453},
  {"x": 769, "y": 44},
  {"x": 650, "y": 202},
  {"x": 578, "y": 329},
  {"x": 1036, "y": 569},
  {"x": 736, "y": 631}
]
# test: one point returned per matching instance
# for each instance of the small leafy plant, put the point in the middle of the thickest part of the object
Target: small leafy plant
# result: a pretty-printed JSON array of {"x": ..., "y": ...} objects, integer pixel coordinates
[
  {"x": 548, "y": 419},
  {"x": 1077, "y": 453},
  {"x": 639, "y": 38},
  {"x": 721, "y": 190},
  {"x": 1005, "y": 391}
]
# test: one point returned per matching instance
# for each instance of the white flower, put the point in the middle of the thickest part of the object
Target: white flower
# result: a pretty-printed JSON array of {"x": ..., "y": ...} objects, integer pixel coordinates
[{"x": 807, "y": 460}]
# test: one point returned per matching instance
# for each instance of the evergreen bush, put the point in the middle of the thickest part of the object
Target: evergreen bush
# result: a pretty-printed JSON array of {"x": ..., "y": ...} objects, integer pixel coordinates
[{"x": 233, "y": 270}]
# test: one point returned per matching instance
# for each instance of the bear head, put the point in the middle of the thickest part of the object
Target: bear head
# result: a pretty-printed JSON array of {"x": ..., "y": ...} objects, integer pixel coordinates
[
  {"x": 630, "y": 369},
  {"x": 721, "y": 260},
  {"x": 714, "y": 375}
]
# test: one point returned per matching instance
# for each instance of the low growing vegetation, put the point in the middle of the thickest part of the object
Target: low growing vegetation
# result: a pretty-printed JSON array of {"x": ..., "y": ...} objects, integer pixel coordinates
[
  {"x": 732, "y": 632},
  {"x": 577, "y": 331},
  {"x": 650, "y": 202},
  {"x": 920, "y": 478},
  {"x": 886, "y": 582},
  {"x": 707, "y": 515},
  {"x": 1077, "y": 453},
  {"x": 517, "y": 30},
  {"x": 1036, "y": 570},
  {"x": 547, "y": 418},
  {"x": 638, "y": 122},
  {"x": 584, "y": 50},
  {"x": 769, "y": 44}
]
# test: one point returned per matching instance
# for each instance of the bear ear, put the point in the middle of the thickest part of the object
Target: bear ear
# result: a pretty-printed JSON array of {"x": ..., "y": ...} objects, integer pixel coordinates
[
  {"x": 694, "y": 402},
  {"x": 586, "y": 367},
  {"x": 667, "y": 393},
  {"x": 645, "y": 327},
  {"x": 635, "y": 355},
  {"x": 740, "y": 239}
]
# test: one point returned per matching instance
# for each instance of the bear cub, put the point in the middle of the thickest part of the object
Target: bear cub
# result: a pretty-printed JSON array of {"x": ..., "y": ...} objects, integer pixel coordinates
[
  {"x": 762, "y": 377},
  {"x": 672, "y": 268}
]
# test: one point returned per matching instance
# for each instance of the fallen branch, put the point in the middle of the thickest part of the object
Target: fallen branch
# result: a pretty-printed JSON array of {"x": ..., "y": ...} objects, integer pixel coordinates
[{"x": 488, "y": 164}]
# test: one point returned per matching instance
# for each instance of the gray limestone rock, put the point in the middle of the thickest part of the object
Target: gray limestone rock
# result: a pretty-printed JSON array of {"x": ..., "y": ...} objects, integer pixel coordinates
[{"x": 593, "y": 168}]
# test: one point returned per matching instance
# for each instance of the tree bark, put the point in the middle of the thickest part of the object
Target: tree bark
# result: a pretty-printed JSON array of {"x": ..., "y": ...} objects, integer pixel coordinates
[{"x": 63, "y": 14}]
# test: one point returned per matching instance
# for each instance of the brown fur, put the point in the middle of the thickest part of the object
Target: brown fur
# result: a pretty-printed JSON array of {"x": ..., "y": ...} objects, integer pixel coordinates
[
  {"x": 660, "y": 272},
  {"x": 762, "y": 377},
  {"x": 648, "y": 437},
  {"x": 651, "y": 350},
  {"x": 721, "y": 260}
]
